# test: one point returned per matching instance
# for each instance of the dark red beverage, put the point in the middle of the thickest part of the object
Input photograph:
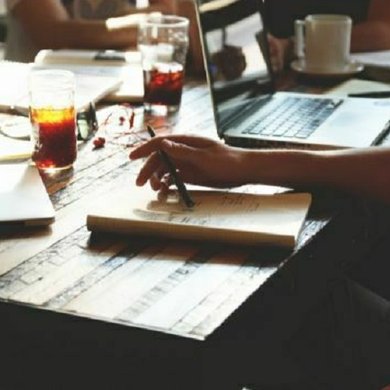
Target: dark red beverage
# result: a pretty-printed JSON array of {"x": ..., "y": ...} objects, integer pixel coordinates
[
  {"x": 54, "y": 134},
  {"x": 164, "y": 84}
]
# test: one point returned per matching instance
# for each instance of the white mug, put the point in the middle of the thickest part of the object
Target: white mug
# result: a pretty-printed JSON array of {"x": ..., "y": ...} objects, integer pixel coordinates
[{"x": 324, "y": 41}]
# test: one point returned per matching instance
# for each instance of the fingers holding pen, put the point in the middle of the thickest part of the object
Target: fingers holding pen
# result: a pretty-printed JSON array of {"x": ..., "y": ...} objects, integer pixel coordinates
[
  {"x": 159, "y": 178},
  {"x": 154, "y": 168},
  {"x": 152, "y": 165},
  {"x": 198, "y": 160}
]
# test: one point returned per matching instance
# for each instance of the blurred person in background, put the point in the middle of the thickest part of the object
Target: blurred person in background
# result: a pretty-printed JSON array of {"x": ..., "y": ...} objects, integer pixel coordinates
[
  {"x": 370, "y": 32},
  {"x": 85, "y": 24}
]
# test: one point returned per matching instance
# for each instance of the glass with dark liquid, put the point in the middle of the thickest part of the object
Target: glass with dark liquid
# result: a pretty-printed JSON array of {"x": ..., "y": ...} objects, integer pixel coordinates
[
  {"x": 163, "y": 85},
  {"x": 163, "y": 43},
  {"x": 53, "y": 119}
]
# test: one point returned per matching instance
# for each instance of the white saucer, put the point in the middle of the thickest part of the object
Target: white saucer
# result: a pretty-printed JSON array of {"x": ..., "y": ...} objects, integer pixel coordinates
[{"x": 351, "y": 69}]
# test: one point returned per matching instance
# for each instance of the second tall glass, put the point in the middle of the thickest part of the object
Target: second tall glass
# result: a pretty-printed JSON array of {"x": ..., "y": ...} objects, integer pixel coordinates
[{"x": 163, "y": 43}]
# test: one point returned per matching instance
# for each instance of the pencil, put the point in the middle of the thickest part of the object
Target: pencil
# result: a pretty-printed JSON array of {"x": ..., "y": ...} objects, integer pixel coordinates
[
  {"x": 375, "y": 94},
  {"x": 185, "y": 196}
]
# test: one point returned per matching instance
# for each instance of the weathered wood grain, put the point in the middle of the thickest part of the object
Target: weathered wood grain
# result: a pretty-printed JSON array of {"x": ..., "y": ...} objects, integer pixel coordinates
[{"x": 182, "y": 288}]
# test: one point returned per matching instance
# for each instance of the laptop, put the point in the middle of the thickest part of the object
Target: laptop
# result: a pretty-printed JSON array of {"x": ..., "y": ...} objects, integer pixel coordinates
[
  {"x": 23, "y": 197},
  {"x": 247, "y": 110}
]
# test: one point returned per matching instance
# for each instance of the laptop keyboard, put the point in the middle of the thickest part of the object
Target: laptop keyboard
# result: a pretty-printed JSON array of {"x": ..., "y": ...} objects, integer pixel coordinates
[{"x": 292, "y": 117}]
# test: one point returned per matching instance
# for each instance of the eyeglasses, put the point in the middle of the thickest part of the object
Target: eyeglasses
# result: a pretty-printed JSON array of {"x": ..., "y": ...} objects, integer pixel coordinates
[
  {"x": 117, "y": 124},
  {"x": 120, "y": 125},
  {"x": 87, "y": 123}
]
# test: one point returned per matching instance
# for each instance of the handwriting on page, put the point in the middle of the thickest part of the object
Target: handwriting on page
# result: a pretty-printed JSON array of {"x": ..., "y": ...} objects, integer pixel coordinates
[
  {"x": 211, "y": 209},
  {"x": 224, "y": 216}
]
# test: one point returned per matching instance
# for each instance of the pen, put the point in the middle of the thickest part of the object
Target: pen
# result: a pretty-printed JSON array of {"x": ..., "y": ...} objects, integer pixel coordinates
[
  {"x": 172, "y": 170},
  {"x": 376, "y": 94}
]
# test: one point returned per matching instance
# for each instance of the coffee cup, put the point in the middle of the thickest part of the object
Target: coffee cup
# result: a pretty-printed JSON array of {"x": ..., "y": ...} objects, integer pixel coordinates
[{"x": 323, "y": 42}]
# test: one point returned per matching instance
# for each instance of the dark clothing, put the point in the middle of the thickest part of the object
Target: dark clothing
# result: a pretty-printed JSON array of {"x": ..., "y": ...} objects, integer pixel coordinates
[
  {"x": 280, "y": 14},
  {"x": 344, "y": 342}
]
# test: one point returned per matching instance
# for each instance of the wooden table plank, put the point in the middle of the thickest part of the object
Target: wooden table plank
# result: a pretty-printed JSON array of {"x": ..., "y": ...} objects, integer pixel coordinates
[{"x": 185, "y": 288}]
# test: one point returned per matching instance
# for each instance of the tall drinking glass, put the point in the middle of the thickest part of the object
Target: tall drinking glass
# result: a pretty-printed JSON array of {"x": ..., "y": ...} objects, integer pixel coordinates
[
  {"x": 53, "y": 118},
  {"x": 163, "y": 43}
]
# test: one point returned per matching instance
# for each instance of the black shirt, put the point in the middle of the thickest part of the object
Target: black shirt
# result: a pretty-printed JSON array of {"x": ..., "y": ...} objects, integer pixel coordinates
[{"x": 280, "y": 14}]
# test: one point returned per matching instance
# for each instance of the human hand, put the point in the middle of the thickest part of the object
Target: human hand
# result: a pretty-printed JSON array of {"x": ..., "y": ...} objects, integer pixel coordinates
[
  {"x": 280, "y": 52},
  {"x": 230, "y": 62},
  {"x": 130, "y": 20},
  {"x": 199, "y": 160}
]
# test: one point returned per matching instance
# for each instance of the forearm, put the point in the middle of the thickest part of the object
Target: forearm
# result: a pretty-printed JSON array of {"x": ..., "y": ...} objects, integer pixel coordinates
[
  {"x": 359, "y": 172},
  {"x": 290, "y": 168},
  {"x": 370, "y": 36},
  {"x": 56, "y": 29},
  {"x": 85, "y": 34},
  {"x": 203, "y": 161}
]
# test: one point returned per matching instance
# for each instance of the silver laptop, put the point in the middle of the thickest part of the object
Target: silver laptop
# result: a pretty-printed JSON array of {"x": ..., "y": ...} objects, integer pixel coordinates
[
  {"x": 248, "y": 112},
  {"x": 23, "y": 197}
]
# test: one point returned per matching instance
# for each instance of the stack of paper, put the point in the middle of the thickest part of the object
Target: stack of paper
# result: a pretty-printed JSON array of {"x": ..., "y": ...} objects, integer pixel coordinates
[
  {"x": 353, "y": 86},
  {"x": 14, "y": 81},
  {"x": 11, "y": 149},
  {"x": 125, "y": 66},
  {"x": 377, "y": 64},
  {"x": 379, "y": 59},
  {"x": 87, "y": 57},
  {"x": 14, "y": 137}
]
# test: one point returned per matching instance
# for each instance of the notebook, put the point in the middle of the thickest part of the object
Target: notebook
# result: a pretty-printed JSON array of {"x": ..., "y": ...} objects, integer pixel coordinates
[
  {"x": 247, "y": 110},
  {"x": 23, "y": 197},
  {"x": 241, "y": 218},
  {"x": 14, "y": 77},
  {"x": 124, "y": 65}
]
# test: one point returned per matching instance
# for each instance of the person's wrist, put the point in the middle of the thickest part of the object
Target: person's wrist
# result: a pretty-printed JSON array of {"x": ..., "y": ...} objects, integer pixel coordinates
[{"x": 246, "y": 166}]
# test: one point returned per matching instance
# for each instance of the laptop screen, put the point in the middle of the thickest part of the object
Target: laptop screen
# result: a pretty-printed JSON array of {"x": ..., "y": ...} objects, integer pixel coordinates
[{"x": 234, "y": 48}]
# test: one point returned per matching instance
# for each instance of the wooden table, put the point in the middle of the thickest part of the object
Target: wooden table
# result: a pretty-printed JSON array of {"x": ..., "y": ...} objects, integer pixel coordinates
[{"x": 103, "y": 311}]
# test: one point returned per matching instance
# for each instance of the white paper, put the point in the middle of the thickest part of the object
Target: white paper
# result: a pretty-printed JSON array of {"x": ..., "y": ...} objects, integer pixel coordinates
[{"x": 375, "y": 58}]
